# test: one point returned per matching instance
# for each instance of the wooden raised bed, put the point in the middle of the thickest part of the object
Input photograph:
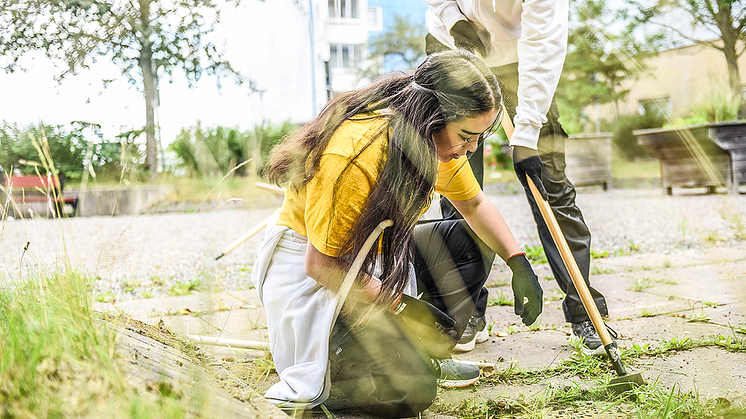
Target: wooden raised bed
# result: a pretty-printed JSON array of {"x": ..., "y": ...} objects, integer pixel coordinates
[
  {"x": 705, "y": 155},
  {"x": 588, "y": 158}
]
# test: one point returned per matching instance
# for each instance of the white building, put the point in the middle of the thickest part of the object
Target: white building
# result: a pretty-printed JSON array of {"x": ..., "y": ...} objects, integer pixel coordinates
[{"x": 318, "y": 44}]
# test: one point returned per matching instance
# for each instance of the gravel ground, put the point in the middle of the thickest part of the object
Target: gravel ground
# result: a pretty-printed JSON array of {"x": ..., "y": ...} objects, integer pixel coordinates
[{"x": 153, "y": 255}]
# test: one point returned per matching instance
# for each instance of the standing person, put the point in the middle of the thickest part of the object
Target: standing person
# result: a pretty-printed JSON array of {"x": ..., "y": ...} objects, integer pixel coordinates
[
  {"x": 524, "y": 43},
  {"x": 376, "y": 154}
]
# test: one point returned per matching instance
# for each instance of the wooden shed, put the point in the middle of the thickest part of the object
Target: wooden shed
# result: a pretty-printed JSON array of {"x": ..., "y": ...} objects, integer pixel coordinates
[{"x": 705, "y": 155}]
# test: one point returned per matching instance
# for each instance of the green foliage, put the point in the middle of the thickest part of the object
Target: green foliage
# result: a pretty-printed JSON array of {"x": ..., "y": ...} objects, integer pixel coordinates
[
  {"x": 624, "y": 140},
  {"x": 598, "y": 62},
  {"x": 59, "y": 358},
  {"x": 146, "y": 39},
  {"x": 215, "y": 151},
  {"x": 500, "y": 299},
  {"x": 403, "y": 41},
  {"x": 75, "y": 148},
  {"x": 718, "y": 106},
  {"x": 535, "y": 254}
]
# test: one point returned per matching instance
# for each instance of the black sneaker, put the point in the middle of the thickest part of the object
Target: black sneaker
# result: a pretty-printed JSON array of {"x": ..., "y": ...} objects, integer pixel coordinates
[
  {"x": 585, "y": 332},
  {"x": 475, "y": 332},
  {"x": 453, "y": 374}
]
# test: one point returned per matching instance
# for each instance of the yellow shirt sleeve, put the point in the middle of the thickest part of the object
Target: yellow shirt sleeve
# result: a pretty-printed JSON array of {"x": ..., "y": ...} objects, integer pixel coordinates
[{"x": 456, "y": 181}]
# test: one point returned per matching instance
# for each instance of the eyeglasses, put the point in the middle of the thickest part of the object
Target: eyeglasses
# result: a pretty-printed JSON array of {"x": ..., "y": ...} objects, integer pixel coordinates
[{"x": 487, "y": 133}]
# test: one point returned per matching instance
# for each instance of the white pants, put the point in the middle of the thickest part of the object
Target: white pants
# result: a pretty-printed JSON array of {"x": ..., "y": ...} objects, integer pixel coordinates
[
  {"x": 300, "y": 316},
  {"x": 300, "y": 313}
]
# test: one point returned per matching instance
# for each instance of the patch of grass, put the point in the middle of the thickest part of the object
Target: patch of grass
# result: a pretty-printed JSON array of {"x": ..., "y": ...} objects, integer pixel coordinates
[
  {"x": 682, "y": 228},
  {"x": 157, "y": 280},
  {"x": 186, "y": 287},
  {"x": 713, "y": 237},
  {"x": 595, "y": 254},
  {"x": 254, "y": 323},
  {"x": 735, "y": 221},
  {"x": 107, "y": 296},
  {"x": 500, "y": 299},
  {"x": 130, "y": 285},
  {"x": 665, "y": 281},
  {"x": 555, "y": 295},
  {"x": 641, "y": 284},
  {"x": 637, "y": 169},
  {"x": 630, "y": 248},
  {"x": 147, "y": 294},
  {"x": 59, "y": 359},
  {"x": 535, "y": 254},
  {"x": 595, "y": 270},
  {"x": 710, "y": 304},
  {"x": 646, "y": 313}
]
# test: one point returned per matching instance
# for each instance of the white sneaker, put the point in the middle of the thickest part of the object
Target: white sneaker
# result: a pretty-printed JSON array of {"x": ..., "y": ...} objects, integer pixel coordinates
[{"x": 476, "y": 332}]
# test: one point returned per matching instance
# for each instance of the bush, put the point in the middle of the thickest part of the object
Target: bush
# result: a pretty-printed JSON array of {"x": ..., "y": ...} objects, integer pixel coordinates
[
  {"x": 623, "y": 138},
  {"x": 68, "y": 147},
  {"x": 216, "y": 151}
]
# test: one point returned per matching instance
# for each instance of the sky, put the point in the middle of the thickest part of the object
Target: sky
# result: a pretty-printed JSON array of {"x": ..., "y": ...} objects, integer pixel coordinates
[{"x": 34, "y": 96}]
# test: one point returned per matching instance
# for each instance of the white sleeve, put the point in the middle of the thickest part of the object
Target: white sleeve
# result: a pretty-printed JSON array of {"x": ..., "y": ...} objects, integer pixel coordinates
[
  {"x": 541, "y": 55},
  {"x": 447, "y": 11}
]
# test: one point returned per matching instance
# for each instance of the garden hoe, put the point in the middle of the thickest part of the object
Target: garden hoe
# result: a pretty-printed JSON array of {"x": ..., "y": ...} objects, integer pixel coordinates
[{"x": 625, "y": 382}]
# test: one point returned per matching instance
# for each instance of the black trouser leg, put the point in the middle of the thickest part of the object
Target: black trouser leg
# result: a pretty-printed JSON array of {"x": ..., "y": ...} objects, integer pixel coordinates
[
  {"x": 561, "y": 199},
  {"x": 452, "y": 265}
]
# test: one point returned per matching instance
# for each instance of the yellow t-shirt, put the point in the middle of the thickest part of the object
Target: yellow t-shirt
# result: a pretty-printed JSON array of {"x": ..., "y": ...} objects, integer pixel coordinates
[{"x": 309, "y": 211}]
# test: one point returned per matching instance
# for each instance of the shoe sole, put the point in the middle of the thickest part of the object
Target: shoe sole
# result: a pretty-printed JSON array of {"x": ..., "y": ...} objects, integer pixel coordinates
[
  {"x": 457, "y": 383},
  {"x": 480, "y": 337},
  {"x": 600, "y": 351}
]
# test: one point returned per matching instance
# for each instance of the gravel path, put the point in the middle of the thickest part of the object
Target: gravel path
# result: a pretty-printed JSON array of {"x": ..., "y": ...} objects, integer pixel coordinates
[{"x": 153, "y": 255}]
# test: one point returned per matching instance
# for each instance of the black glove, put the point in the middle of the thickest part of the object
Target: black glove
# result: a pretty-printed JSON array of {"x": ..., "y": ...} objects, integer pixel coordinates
[
  {"x": 436, "y": 329},
  {"x": 526, "y": 162},
  {"x": 465, "y": 37},
  {"x": 525, "y": 284}
]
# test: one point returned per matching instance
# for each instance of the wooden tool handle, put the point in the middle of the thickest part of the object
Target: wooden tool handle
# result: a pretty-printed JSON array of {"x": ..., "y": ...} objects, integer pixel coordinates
[
  {"x": 564, "y": 249},
  {"x": 249, "y": 234},
  {"x": 271, "y": 188},
  {"x": 570, "y": 264}
]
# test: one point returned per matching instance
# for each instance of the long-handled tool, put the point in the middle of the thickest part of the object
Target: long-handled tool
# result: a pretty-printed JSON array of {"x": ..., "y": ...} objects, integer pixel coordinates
[
  {"x": 249, "y": 234},
  {"x": 624, "y": 382}
]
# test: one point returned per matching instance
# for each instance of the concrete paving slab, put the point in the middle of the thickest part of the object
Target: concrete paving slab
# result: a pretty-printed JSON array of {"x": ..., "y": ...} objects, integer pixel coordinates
[
  {"x": 193, "y": 302},
  {"x": 711, "y": 373},
  {"x": 718, "y": 283}
]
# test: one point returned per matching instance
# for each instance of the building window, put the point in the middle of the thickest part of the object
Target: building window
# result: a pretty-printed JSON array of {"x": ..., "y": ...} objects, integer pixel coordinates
[
  {"x": 375, "y": 18},
  {"x": 345, "y": 56},
  {"x": 660, "y": 107},
  {"x": 346, "y": 9}
]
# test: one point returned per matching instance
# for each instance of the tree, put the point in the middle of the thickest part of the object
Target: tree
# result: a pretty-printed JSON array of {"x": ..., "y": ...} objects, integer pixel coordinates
[
  {"x": 725, "y": 20},
  {"x": 147, "y": 39},
  {"x": 403, "y": 41},
  {"x": 599, "y": 60}
]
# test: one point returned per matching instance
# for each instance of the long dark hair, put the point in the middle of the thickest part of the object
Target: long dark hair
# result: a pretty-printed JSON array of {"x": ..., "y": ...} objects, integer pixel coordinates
[{"x": 446, "y": 87}]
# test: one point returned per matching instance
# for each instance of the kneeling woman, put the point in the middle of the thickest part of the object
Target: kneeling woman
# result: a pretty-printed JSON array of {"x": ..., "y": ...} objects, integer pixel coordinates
[{"x": 375, "y": 154}]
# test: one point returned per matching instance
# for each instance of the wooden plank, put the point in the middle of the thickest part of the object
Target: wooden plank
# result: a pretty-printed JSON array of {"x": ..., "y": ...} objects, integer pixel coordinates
[{"x": 154, "y": 362}]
